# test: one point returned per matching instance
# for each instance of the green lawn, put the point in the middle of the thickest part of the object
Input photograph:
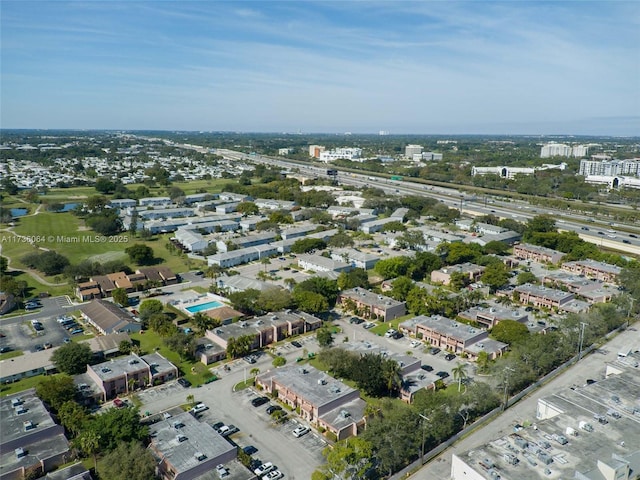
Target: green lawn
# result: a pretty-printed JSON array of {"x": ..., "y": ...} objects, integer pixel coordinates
[
  {"x": 195, "y": 372},
  {"x": 382, "y": 327},
  {"x": 20, "y": 385}
]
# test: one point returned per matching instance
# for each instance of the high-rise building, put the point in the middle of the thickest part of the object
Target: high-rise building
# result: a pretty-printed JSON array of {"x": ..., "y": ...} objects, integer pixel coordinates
[
  {"x": 555, "y": 150},
  {"x": 315, "y": 150}
]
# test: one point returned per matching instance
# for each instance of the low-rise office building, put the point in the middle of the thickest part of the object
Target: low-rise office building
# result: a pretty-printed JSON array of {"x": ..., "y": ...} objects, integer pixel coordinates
[
  {"x": 266, "y": 329},
  {"x": 31, "y": 443},
  {"x": 186, "y": 449},
  {"x": 371, "y": 305},
  {"x": 602, "y": 271},
  {"x": 124, "y": 374},
  {"x": 489, "y": 317},
  {"x": 589, "y": 432},
  {"x": 526, "y": 251},
  {"x": 540, "y": 296},
  {"x": 321, "y": 399},
  {"x": 442, "y": 332},
  {"x": 469, "y": 270},
  {"x": 106, "y": 317}
]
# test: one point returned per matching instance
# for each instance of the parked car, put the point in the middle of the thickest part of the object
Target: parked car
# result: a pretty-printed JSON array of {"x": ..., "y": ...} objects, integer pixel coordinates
[
  {"x": 415, "y": 343},
  {"x": 77, "y": 331},
  {"x": 271, "y": 409},
  {"x": 435, "y": 351},
  {"x": 256, "y": 402},
  {"x": 249, "y": 449},
  {"x": 184, "y": 382},
  {"x": 264, "y": 469},
  {"x": 217, "y": 426},
  {"x": 368, "y": 325},
  {"x": 296, "y": 344},
  {"x": 356, "y": 320},
  {"x": 249, "y": 359},
  {"x": 119, "y": 403},
  {"x": 300, "y": 431},
  {"x": 200, "y": 407},
  {"x": 274, "y": 475},
  {"x": 449, "y": 356},
  {"x": 397, "y": 335},
  {"x": 223, "y": 430},
  {"x": 5, "y": 349},
  {"x": 390, "y": 333},
  {"x": 427, "y": 368},
  {"x": 443, "y": 374}
]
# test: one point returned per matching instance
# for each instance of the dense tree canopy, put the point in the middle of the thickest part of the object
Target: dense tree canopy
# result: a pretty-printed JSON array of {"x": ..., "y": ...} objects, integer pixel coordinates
[
  {"x": 56, "y": 390},
  {"x": 72, "y": 358},
  {"x": 140, "y": 254}
]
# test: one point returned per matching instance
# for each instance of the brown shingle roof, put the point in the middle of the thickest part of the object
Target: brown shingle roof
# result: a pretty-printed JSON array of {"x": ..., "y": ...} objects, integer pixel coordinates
[{"x": 107, "y": 316}]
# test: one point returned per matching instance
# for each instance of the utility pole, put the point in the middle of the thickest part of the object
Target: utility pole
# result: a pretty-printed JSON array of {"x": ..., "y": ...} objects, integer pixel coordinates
[
  {"x": 582, "y": 325},
  {"x": 422, "y": 448},
  {"x": 506, "y": 387}
]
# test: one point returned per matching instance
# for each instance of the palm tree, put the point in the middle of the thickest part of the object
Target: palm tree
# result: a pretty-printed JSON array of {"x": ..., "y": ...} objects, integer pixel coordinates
[
  {"x": 89, "y": 443},
  {"x": 459, "y": 372},
  {"x": 392, "y": 375},
  {"x": 254, "y": 373}
]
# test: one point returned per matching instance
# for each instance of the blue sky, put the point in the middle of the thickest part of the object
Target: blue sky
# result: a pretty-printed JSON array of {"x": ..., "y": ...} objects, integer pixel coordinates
[{"x": 510, "y": 67}]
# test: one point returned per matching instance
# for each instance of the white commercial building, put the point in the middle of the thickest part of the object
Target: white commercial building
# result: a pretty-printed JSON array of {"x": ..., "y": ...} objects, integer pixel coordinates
[{"x": 341, "y": 153}]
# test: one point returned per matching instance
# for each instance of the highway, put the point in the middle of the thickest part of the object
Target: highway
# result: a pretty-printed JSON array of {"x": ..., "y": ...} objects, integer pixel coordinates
[{"x": 620, "y": 237}]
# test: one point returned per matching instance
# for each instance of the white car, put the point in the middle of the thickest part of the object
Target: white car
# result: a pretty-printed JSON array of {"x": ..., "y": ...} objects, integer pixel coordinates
[
  {"x": 300, "y": 431},
  {"x": 274, "y": 475},
  {"x": 415, "y": 343},
  {"x": 390, "y": 333},
  {"x": 264, "y": 469},
  {"x": 201, "y": 407}
]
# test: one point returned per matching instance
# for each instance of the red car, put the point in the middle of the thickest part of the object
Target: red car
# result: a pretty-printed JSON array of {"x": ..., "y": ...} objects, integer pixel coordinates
[{"x": 118, "y": 403}]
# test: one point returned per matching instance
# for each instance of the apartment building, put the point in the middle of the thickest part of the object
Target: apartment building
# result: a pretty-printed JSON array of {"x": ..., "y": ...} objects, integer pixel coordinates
[
  {"x": 371, "y": 305},
  {"x": 602, "y": 271},
  {"x": 321, "y": 399},
  {"x": 540, "y": 296},
  {"x": 526, "y": 251},
  {"x": 470, "y": 270},
  {"x": 442, "y": 332}
]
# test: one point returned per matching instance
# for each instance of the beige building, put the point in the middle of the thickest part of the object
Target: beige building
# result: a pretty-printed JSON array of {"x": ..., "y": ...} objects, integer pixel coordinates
[
  {"x": 602, "y": 271},
  {"x": 372, "y": 305},
  {"x": 469, "y": 270},
  {"x": 526, "y": 251},
  {"x": 321, "y": 399}
]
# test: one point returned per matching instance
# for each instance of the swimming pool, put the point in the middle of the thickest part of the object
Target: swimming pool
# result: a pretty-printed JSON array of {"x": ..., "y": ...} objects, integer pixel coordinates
[{"x": 203, "y": 306}]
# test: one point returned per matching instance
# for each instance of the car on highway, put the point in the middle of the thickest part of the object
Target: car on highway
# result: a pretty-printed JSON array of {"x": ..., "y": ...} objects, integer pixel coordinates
[
  {"x": 633, "y": 236},
  {"x": 584, "y": 228},
  {"x": 300, "y": 431},
  {"x": 624, "y": 240},
  {"x": 256, "y": 402}
]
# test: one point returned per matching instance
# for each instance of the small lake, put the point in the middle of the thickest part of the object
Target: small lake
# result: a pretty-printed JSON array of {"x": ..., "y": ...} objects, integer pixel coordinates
[
  {"x": 19, "y": 212},
  {"x": 67, "y": 207}
]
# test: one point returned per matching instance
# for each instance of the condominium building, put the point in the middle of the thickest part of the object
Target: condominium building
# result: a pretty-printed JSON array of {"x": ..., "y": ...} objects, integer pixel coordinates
[
  {"x": 602, "y": 271},
  {"x": 411, "y": 150},
  {"x": 371, "y": 304},
  {"x": 320, "y": 399},
  {"x": 526, "y": 251},
  {"x": 609, "y": 167},
  {"x": 555, "y": 150}
]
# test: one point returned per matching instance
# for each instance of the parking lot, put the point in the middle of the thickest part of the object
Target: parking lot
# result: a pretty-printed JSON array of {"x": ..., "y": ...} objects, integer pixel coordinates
[{"x": 297, "y": 458}]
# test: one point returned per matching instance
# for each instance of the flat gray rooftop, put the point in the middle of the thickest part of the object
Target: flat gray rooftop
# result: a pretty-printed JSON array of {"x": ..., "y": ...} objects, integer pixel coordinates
[
  {"x": 12, "y": 422},
  {"x": 537, "y": 449},
  {"x": 200, "y": 438},
  {"x": 314, "y": 385}
]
